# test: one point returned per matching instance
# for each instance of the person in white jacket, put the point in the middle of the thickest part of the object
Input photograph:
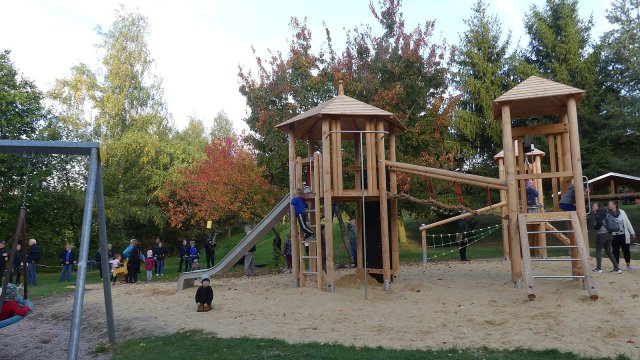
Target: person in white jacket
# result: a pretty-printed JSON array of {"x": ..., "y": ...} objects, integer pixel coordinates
[{"x": 622, "y": 239}]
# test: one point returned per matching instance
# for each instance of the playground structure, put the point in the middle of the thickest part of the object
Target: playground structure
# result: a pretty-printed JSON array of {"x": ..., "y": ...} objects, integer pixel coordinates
[
  {"x": 328, "y": 128},
  {"x": 94, "y": 193}
]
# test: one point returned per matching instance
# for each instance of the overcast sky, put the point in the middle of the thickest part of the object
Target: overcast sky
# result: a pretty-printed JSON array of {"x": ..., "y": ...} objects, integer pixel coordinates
[{"x": 198, "y": 44}]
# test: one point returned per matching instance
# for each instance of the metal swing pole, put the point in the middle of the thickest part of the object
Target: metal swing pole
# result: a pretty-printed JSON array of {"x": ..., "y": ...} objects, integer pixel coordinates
[
  {"x": 85, "y": 237},
  {"x": 104, "y": 254}
]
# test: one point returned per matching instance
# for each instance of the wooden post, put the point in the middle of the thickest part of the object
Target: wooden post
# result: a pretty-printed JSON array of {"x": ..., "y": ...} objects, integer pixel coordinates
[
  {"x": 367, "y": 137},
  {"x": 522, "y": 183},
  {"x": 356, "y": 160},
  {"x": 504, "y": 211},
  {"x": 384, "y": 214},
  {"x": 318, "y": 243},
  {"x": 328, "y": 216},
  {"x": 314, "y": 210},
  {"x": 334, "y": 156},
  {"x": 393, "y": 184},
  {"x": 424, "y": 247},
  {"x": 612, "y": 186},
  {"x": 566, "y": 151},
  {"x": 512, "y": 195},
  {"x": 576, "y": 164},
  {"x": 542, "y": 237},
  {"x": 295, "y": 253},
  {"x": 338, "y": 159}
]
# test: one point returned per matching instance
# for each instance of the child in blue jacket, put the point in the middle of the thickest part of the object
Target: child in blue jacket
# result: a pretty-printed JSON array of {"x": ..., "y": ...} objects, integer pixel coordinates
[{"x": 299, "y": 207}]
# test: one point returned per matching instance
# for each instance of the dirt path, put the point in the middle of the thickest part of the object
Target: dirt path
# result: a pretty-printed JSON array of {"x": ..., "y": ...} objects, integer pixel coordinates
[{"x": 448, "y": 304}]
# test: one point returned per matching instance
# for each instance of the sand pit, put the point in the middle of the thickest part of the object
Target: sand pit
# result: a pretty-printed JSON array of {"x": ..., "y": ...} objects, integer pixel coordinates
[{"x": 449, "y": 304}]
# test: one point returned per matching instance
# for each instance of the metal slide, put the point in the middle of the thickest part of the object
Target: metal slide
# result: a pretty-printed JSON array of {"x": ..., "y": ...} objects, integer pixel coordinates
[{"x": 186, "y": 279}]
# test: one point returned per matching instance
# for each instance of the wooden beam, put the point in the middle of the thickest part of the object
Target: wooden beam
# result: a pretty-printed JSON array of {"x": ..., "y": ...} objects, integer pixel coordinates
[
  {"x": 317, "y": 207},
  {"x": 615, "y": 196},
  {"x": 576, "y": 164},
  {"x": 356, "y": 160},
  {"x": 564, "y": 150},
  {"x": 549, "y": 216},
  {"x": 451, "y": 175},
  {"x": 463, "y": 216},
  {"x": 548, "y": 175},
  {"x": 512, "y": 195},
  {"x": 328, "y": 216},
  {"x": 424, "y": 246},
  {"x": 295, "y": 253},
  {"x": 384, "y": 212},
  {"x": 554, "y": 168},
  {"x": 522, "y": 183},
  {"x": 393, "y": 183},
  {"x": 543, "y": 129},
  {"x": 448, "y": 178},
  {"x": 299, "y": 240},
  {"x": 338, "y": 159},
  {"x": 504, "y": 212}
]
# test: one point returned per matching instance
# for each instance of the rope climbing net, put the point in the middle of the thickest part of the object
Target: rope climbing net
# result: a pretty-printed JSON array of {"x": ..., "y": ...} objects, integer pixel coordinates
[{"x": 471, "y": 237}]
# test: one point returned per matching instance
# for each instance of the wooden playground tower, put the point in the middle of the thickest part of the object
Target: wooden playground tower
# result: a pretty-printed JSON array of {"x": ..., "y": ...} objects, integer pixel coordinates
[
  {"x": 537, "y": 97},
  {"x": 327, "y": 130}
]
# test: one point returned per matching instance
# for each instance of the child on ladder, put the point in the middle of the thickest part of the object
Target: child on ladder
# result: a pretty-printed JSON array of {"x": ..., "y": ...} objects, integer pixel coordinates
[{"x": 299, "y": 207}]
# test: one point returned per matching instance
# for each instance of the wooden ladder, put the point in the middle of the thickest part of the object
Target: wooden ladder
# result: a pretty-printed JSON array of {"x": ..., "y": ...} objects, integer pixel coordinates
[
  {"x": 576, "y": 241},
  {"x": 310, "y": 265}
]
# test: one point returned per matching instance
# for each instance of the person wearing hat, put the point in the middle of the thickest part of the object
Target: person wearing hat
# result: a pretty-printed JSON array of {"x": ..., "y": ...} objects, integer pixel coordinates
[
  {"x": 4, "y": 257},
  {"x": 204, "y": 296},
  {"x": 10, "y": 307}
]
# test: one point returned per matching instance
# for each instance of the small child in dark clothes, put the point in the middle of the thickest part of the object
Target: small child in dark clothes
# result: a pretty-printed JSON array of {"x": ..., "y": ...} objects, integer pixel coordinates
[{"x": 204, "y": 296}]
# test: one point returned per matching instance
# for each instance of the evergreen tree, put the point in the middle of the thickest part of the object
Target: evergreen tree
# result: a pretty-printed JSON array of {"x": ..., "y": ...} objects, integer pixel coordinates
[{"x": 481, "y": 78}]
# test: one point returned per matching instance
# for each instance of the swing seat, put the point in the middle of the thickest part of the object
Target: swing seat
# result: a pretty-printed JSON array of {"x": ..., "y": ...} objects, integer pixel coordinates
[{"x": 17, "y": 318}]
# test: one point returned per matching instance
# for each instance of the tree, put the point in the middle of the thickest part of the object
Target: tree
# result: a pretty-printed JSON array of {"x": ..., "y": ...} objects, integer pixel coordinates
[
  {"x": 619, "y": 73},
  {"x": 225, "y": 187},
  {"x": 222, "y": 126},
  {"x": 481, "y": 77},
  {"x": 559, "y": 49}
]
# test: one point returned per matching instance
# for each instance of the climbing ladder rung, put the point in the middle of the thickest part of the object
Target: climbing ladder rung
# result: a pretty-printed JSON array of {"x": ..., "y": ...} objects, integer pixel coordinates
[
  {"x": 310, "y": 272},
  {"x": 559, "y": 276},
  {"x": 309, "y": 257},
  {"x": 555, "y": 259},
  {"x": 553, "y": 247}
]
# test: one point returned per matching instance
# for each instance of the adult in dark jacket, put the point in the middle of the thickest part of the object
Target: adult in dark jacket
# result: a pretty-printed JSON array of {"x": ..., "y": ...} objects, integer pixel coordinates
[
  {"x": 4, "y": 257},
  {"x": 154, "y": 249},
  {"x": 17, "y": 265},
  {"x": 210, "y": 251},
  {"x": 67, "y": 257},
  {"x": 133, "y": 264},
  {"x": 33, "y": 258},
  {"x": 183, "y": 252},
  {"x": 159, "y": 253},
  {"x": 98, "y": 258}
]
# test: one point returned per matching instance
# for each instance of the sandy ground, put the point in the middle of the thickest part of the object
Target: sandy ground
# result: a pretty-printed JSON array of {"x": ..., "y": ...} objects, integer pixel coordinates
[{"x": 449, "y": 304}]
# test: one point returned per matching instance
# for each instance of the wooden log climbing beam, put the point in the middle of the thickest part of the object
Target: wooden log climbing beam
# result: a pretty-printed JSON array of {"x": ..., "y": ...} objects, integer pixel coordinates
[
  {"x": 470, "y": 179},
  {"x": 462, "y": 216}
]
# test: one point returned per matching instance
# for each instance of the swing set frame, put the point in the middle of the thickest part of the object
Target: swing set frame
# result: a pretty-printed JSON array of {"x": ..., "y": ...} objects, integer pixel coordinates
[{"x": 94, "y": 194}]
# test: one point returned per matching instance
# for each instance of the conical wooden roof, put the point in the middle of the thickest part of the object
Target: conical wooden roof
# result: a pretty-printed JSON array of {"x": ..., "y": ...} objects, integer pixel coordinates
[
  {"x": 350, "y": 112},
  {"x": 536, "y": 97},
  {"x": 535, "y": 151}
]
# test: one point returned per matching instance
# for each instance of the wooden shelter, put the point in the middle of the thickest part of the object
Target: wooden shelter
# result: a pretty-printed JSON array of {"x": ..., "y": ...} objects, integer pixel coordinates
[
  {"x": 326, "y": 130},
  {"x": 611, "y": 183},
  {"x": 537, "y": 97}
]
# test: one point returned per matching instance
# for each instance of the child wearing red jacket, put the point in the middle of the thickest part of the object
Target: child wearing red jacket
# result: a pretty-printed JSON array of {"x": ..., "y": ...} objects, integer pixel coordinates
[
  {"x": 149, "y": 264},
  {"x": 10, "y": 307}
]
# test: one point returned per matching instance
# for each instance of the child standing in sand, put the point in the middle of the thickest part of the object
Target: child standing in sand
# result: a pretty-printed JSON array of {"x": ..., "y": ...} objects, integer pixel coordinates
[
  {"x": 149, "y": 264},
  {"x": 117, "y": 269},
  {"x": 204, "y": 296}
]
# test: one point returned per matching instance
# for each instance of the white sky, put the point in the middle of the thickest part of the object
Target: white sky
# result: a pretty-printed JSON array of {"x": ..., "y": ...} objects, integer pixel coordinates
[{"x": 198, "y": 44}]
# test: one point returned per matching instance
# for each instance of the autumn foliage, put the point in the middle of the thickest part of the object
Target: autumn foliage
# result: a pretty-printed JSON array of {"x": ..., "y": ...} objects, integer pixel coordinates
[{"x": 227, "y": 186}]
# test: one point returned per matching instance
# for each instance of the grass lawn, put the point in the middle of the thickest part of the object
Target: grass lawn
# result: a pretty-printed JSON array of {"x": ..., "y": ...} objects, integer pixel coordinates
[{"x": 199, "y": 345}]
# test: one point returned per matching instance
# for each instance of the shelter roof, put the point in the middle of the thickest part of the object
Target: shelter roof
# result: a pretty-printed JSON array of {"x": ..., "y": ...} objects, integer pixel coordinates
[
  {"x": 603, "y": 181},
  {"x": 350, "y": 112},
  {"x": 536, "y": 97}
]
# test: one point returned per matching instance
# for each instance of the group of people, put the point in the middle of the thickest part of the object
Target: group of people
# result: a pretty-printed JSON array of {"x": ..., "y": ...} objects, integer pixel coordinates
[
  {"x": 126, "y": 266},
  {"x": 613, "y": 232},
  {"x": 34, "y": 254}
]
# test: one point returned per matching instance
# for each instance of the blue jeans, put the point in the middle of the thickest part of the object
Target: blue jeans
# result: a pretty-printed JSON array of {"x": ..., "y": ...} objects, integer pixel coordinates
[
  {"x": 354, "y": 252},
  {"x": 31, "y": 274},
  {"x": 567, "y": 207},
  {"x": 65, "y": 274},
  {"x": 159, "y": 266}
]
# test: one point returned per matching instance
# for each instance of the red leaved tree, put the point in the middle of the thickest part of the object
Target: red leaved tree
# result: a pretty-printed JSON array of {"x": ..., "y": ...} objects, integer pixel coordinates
[{"x": 226, "y": 187}]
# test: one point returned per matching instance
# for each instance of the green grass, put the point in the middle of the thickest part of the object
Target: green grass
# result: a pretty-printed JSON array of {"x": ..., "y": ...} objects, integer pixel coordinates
[{"x": 196, "y": 344}]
